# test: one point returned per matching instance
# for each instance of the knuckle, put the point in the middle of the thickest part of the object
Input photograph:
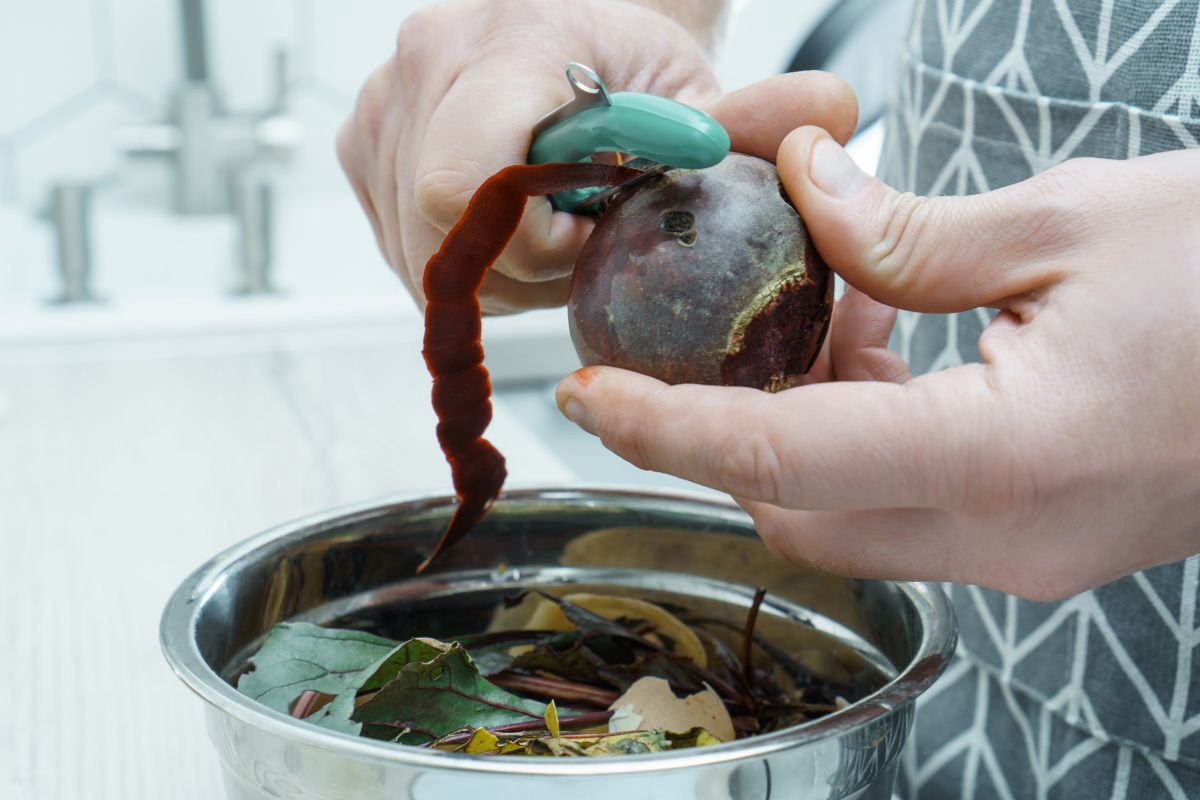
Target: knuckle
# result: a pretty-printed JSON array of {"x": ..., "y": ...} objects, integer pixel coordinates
[
  {"x": 897, "y": 249},
  {"x": 752, "y": 468},
  {"x": 413, "y": 38},
  {"x": 536, "y": 258},
  {"x": 840, "y": 558},
  {"x": 809, "y": 541},
  {"x": 442, "y": 194},
  {"x": 774, "y": 539},
  {"x": 347, "y": 150},
  {"x": 371, "y": 107},
  {"x": 531, "y": 272}
]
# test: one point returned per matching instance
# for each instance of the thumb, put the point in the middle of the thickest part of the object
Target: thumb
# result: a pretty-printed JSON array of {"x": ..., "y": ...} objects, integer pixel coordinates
[
  {"x": 932, "y": 254},
  {"x": 758, "y": 117}
]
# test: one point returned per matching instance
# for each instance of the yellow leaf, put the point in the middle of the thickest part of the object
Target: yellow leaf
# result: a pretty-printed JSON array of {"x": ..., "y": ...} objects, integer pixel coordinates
[
  {"x": 483, "y": 741},
  {"x": 551, "y": 717},
  {"x": 628, "y": 744},
  {"x": 547, "y": 616},
  {"x": 696, "y": 737},
  {"x": 562, "y": 748}
]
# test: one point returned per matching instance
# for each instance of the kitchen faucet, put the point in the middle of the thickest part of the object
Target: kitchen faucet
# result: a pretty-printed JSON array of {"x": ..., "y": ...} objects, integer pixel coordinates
[
  {"x": 221, "y": 164},
  {"x": 207, "y": 146}
]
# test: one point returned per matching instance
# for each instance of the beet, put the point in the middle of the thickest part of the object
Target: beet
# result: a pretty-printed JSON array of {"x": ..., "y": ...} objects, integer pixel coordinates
[{"x": 703, "y": 276}]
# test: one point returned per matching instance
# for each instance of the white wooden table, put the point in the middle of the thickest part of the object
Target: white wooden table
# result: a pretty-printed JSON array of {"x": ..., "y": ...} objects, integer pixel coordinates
[{"x": 122, "y": 468}]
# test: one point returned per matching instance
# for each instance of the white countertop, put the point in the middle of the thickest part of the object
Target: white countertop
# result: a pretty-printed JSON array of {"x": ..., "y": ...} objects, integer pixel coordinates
[{"x": 123, "y": 466}]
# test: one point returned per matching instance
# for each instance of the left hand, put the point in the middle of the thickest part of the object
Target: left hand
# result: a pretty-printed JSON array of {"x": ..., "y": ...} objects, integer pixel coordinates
[
  {"x": 443, "y": 113},
  {"x": 1068, "y": 458}
]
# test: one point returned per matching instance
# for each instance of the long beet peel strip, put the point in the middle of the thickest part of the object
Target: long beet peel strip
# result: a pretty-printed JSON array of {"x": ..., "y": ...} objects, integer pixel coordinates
[{"x": 453, "y": 350}]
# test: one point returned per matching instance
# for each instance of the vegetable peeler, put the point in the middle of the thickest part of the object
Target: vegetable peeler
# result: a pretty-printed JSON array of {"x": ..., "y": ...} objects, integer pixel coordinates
[{"x": 644, "y": 131}]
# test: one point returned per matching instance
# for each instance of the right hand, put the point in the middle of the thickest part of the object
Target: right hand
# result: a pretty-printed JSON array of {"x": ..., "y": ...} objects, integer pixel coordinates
[
  {"x": 1068, "y": 458},
  {"x": 458, "y": 100}
]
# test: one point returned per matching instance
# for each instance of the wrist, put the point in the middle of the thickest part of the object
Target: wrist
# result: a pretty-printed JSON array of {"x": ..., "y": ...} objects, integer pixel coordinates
[{"x": 703, "y": 19}]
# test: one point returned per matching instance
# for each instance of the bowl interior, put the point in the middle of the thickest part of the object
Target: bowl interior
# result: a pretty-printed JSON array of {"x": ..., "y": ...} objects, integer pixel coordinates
[{"x": 698, "y": 556}]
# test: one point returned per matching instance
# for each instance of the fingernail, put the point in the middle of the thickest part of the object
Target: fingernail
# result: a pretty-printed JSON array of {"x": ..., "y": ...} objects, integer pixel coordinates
[
  {"x": 577, "y": 413},
  {"x": 834, "y": 171}
]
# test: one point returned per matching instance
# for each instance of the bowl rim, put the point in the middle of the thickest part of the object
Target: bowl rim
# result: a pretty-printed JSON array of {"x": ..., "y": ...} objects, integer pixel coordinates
[{"x": 179, "y": 617}]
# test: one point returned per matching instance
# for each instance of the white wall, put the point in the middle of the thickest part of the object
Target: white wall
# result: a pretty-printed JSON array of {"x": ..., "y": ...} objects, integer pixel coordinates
[{"x": 76, "y": 70}]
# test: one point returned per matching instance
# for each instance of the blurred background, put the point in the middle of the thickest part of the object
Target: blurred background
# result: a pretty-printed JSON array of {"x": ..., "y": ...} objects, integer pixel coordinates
[
  {"x": 199, "y": 339},
  {"x": 168, "y": 182}
]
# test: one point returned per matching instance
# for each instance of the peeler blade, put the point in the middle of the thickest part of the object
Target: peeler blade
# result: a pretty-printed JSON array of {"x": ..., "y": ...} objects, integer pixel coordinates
[{"x": 597, "y": 203}]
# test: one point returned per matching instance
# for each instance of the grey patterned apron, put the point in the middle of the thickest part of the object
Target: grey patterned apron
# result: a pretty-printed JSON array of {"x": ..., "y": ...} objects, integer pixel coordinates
[{"x": 1097, "y": 696}]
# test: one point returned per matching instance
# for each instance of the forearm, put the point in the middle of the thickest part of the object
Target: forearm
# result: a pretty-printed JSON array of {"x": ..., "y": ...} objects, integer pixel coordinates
[{"x": 704, "y": 19}]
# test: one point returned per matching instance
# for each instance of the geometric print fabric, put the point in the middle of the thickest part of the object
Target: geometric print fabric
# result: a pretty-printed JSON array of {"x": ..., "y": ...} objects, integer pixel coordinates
[
  {"x": 977, "y": 736},
  {"x": 1099, "y": 695}
]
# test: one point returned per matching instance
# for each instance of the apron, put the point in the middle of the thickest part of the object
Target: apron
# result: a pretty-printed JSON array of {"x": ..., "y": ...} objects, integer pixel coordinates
[{"x": 1097, "y": 696}]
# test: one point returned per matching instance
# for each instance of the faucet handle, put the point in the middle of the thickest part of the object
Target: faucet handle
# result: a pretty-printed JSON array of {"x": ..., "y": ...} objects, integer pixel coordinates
[
  {"x": 276, "y": 132},
  {"x": 148, "y": 140},
  {"x": 277, "y": 137}
]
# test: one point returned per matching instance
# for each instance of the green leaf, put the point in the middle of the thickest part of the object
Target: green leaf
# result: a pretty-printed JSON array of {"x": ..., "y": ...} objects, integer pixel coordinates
[
  {"x": 489, "y": 650},
  {"x": 298, "y": 657},
  {"x": 492, "y": 659},
  {"x": 567, "y": 655},
  {"x": 337, "y": 714},
  {"x": 437, "y": 690}
]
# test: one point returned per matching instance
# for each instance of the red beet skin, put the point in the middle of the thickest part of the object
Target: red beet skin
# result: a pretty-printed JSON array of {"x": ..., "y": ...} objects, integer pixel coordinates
[{"x": 704, "y": 276}]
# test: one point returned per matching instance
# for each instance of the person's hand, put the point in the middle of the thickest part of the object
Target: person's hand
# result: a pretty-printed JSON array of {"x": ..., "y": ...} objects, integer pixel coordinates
[
  {"x": 1068, "y": 458},
  {"x": 469, "y": 80}
]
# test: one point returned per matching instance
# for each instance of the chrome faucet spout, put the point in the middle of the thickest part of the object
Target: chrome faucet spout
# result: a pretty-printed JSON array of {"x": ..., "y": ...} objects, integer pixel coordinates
[
  {"x": 222, "y": 163},
  {"x": 205, "y": 144},
  {"x": 195, "y": 47}
]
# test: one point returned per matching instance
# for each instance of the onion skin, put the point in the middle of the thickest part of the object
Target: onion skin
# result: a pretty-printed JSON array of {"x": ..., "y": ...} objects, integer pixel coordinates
[{"x": 703, "y": 276}]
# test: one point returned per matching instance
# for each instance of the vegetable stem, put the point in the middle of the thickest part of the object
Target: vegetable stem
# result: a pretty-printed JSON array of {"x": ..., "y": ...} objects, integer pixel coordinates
[
  {"x": 556, "y": 688},
  {"x": 748, "y": 640}
]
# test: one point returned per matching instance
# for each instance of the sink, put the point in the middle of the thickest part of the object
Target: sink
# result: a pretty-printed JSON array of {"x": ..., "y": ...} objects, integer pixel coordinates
[{"x": 163, "y": 279}]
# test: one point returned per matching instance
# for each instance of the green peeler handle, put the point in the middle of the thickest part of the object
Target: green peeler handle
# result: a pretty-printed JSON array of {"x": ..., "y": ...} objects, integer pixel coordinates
[
  {"x": 643, "y": 125},
  {"x": 646, "y": 126}
]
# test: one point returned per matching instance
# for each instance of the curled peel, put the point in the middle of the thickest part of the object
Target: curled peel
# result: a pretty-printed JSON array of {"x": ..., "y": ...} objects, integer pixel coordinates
[{"x": 452, "y": 348}]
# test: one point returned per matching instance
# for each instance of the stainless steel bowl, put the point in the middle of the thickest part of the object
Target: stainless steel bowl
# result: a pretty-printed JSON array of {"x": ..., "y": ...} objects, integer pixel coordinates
[{"x": 356, "y": 566}]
